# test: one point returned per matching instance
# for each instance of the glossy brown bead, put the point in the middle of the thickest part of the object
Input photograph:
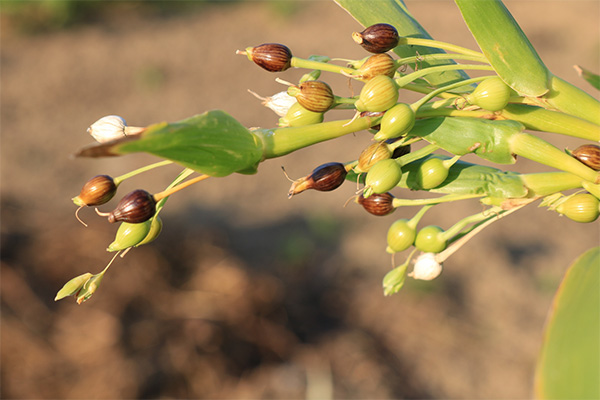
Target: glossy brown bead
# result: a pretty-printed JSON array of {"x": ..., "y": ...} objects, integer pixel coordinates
[
  {"x": 589, "y": 154},
  {"x": 378, "y": 204},
  {"x": 324, "y": 178},
  {"x": 377, "y": 38},
  {"x": 273, "y": 57},
  {"x": 136, "y": 207},
  {"x": 97, "y": 191}
]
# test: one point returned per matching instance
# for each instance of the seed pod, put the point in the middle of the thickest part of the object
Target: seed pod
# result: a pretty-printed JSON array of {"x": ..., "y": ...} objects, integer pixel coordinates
[
  {"x": 430, "y": 239},
  {"x": 378, "y": 94},
  {"x": 382, "y": 177},
  {"x": 155, "y": 230},
  {"x": 129, "y": 235},
  {"x": 300, "y": 116},
  {"x": 324, "y": 178},
  {"x": 377, "y": 204},
  {"x": 97, "y": 191},
  {"x": 377, "y": 64},
  {"x": 396, "y": 122},
  {"x": 401, "y": 235},
  {"x": 136, "y": 207},
  {"x": 491, "y": 94},
  {"x": 315, "y": 96},
  {"x": 273, "y": 57},
  {"x": 589, "y": 154},
  {"x": 377, "y": 38},
  {"x": 581, "y": 207},
  {"x": 373, "y": 153}
]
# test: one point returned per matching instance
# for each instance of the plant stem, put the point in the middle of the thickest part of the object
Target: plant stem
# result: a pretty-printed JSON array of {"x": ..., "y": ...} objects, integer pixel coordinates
[
  {"x": 121, "y": 178},
  {"x": 167, "y": 192},
  {"x": 321, "y": 66},
  {"x": 403, "y": 81},
  {"x": 440, "y": 45},
  {"x": 415, "y": 106},
  {"x": 440, "y": 56},
  {"x": 278, "y": 142},
  {"x": 397, "y": 202},
  {"x": 545, "y": 183}
]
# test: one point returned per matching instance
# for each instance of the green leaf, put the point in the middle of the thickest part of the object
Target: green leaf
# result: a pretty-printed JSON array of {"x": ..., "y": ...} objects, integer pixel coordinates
[
  {"x": 461, "y": 135},
  {"x": 213, "y": 143},
  {"x": 592, "y": 78},
  {"x": 394, "y": 12},
  {"x": 505, "y": 45},
  {"x": 569, "y": 363}
]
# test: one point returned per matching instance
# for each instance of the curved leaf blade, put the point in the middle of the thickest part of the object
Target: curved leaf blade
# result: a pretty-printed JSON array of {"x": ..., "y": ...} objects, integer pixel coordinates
[
  {"x": 505, "y": 46},
  {"x": 569, "y": 362}
]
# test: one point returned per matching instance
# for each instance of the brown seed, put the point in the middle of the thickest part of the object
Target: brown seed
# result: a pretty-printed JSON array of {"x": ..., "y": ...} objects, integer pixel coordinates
[
  {"x": 377, "y": 64},
  {"x": 377, "y": 38},
  {"x": 589, "y": 154},
  {"x": 378, "y": 204},
  {"x": 273, "y": 57},
  {"x": 136, "y": 207},
  {"x": 97, "y": 191},
  {"x": 373, "y": 153},
  {"x": 324, "y": 178}
]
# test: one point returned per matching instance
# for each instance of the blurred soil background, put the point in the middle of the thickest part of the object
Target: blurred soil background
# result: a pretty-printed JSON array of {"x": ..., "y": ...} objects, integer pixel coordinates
[{"x": 247, "y": 294}]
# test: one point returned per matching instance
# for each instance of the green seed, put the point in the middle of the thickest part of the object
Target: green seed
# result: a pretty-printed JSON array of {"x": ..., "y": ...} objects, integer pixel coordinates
[
  {"x": 492, "y": 94},
  {"x": 396, "y": 121},
  {"x": 300, "y": 116},
  {"x": 372, "y": 154},
  {"x": 431, "y": 174},
  {"x": 378, "y": 94},
  {"x": 382, "y": 177},
  {"x": 129, "y": 235},
  {"x": 582, "y": 207},
  {"x": 430, "y": 239},
  {"x": 401, "y": 235}
]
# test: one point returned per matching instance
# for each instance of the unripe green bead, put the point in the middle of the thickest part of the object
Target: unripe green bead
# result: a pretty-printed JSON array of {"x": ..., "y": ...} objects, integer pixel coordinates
[
  {"x": 396, "y": 121},
  {"x": 401, "y": 235},
  {"x": 491, "y": 94},
  {"x": 378, "y": 94},
  {"x": 431, "y": 174},
  {"x": 582, "y": 207},
  {"x": 430, "y": 239},
  {"x": 300, "y": 116},
  {"x": 129, "y": 235},
  {"x": 155, "y": 230},
  {"x": 382, "y": 177}
]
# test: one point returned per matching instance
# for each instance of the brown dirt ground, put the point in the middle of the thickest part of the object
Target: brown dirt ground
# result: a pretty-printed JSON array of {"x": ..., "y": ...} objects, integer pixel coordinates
[{"x": 247, "y": 294}]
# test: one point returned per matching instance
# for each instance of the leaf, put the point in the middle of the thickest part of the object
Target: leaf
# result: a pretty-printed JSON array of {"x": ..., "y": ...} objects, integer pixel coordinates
[
  {"x": 569, "y": 363},
  {"x": 461, "y": 135},
  {"x": 394, "y": 12},
  {"x": 213, "y": 143},
  {"x": 592, "y": 78},
  {"x": 505, "y": 46}
]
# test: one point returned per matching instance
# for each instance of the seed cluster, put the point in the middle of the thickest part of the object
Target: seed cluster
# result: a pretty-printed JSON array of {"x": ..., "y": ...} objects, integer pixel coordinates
[{"x": 387, "y": 163}]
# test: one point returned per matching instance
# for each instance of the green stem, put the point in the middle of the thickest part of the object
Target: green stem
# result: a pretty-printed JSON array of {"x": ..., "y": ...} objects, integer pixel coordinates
[
  {"x": 121, "y": 178},
  {"x": 472, "y": 219},
  {"x": 545, "y": 183},
  {"x": 182, "y": 176},
  {"x": 440, "y": 45},
  {"x": 571, "y": 100},
  {"x": 397, "y": 202},
  {"x": 417, "y": 154},
  {"x": 278, "y": 142},
  {"x": 403, "y": 81},
  {"x": 415, "y": 106},
  {"x": 440, "y": 56},
  {"x": 321, "y": 66}
]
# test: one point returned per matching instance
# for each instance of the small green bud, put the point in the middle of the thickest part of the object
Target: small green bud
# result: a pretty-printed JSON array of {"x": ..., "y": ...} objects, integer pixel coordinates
[
  {"x": 300, "y": 116},
  {"x": 396, "y": 122},
  {"x": 491, "y": 94},
  {"x": 73, "y": 286},
  {"x": 430, "y": 239},
  {"x": 129, "y": 235},
  {"x": 379, "y": 94},
  {"x": 581, "y": 207},
  {"x": 401, "y": 235},
  {"x": 431, "y": 174},
  {"x": 383, "y": 176},
  {"x": 394, "y": 280}
]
